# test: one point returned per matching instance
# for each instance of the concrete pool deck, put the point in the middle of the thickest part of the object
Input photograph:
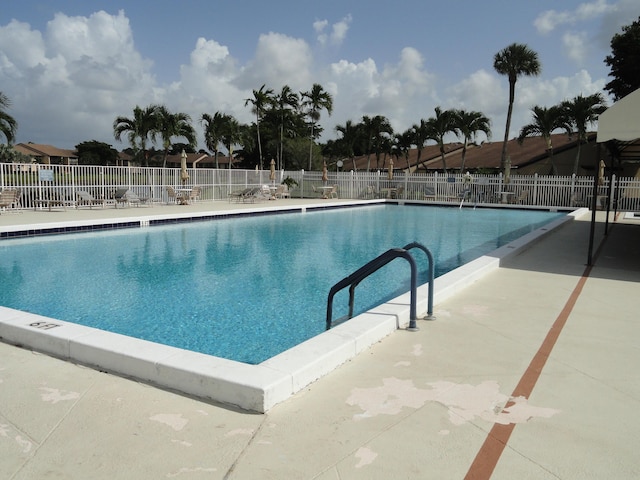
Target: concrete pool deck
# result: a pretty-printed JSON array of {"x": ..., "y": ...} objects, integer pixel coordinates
[{"x": 436, "y": 403}]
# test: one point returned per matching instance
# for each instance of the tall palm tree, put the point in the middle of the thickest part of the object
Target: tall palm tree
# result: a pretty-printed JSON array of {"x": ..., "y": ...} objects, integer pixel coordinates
[
  {"x": 545, "y": 121},
  {"x": 381, "y": 140},
  {"x": 213, "y": 132},
  {"x": 439, "y": 126},
  {"x": 316, "y": 100},
  {"x": 402, "y": 145},
  {"x": 231, "y": 133},
  {"x": 285, "y": 101},
  {"x": 8, "y": 125},
  {"x": 140, "y": 128},
  {"x": 514, "y": 61},
  {"x": 172, "y": 125},
  {"x": 373, "y": 129},
  {"x": 261, "y": 99},
  {"x": 350, "y": 137},
  {"x": 582, "y": 112},
  {"x": 468, "y": 125},
  {"x": 420, "y": 137}
]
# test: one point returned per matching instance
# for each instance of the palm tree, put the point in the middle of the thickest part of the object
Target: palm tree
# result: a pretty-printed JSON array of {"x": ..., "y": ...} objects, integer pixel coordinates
[
  {"x": 545, "y": 121},
  {"x": 468, "y": 125},
  {"x": 350, "y": 136},
  {"x": 402, "y": 145},
  {"x": 420, "y": 137},
  {"x": 316, "y": 100},
  {"x": 212, "y": 132},
  {"x": 582, "y": 112},
  {"x": 231, "y": 133},
  {"x": 261, "y": 99},
  {"x": 287, "y": 100},
  {"x": 8, "y": 125},
  {"x": 373, "y": 129},
  {"x": 514, "y": 61},
  {"x": 173, "y": 125},
  {"x": 142, "y": 127},
  {"x": 439, "y": 126}
]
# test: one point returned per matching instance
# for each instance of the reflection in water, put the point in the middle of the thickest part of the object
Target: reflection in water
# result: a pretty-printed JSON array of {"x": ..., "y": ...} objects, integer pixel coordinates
[
  {"x": 11, "y": 279},
  {"x": 156, "y": 263}
]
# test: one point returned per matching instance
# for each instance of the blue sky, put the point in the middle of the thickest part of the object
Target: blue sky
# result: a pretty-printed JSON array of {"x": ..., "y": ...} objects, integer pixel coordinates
[{"x": 71, "y": 67}]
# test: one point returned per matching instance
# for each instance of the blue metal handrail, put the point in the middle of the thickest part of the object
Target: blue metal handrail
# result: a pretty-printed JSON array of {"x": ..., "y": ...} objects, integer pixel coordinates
[
  {"x": 408, "y": 247},
  {"x": 356, "y": 277}
]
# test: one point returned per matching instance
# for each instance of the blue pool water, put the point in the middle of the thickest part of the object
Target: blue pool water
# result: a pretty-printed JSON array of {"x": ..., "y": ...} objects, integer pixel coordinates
[{"x": 242, "y": 288}]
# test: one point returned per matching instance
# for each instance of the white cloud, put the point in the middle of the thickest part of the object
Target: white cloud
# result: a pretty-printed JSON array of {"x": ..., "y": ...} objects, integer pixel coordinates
[
  {"x": 576, "y": 46},
  {"x": 70, "y": 82},
  {"x": 75, "y": 79},
  {"x": 279, "y": 60},
  {"x": 319, "y": 26},
  {"x": 338, "y": 31},
  {"x": 549, "y": 20}
]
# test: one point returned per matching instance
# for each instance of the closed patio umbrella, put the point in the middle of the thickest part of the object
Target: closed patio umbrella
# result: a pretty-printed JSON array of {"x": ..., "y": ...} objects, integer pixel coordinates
[
  {"x": 325, "y": 174},
  {"x": 183, "y": 167},
  {"x": 390, "y": 171},
  {"x": 272, "y": 175}
]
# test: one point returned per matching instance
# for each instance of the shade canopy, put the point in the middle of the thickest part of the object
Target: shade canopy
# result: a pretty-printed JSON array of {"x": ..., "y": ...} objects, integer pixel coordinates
[{"x": 620, "y": 125}]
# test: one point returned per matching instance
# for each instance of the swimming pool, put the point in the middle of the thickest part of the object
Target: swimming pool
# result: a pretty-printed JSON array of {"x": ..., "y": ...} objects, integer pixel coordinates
[{"x": 245, "y": 288}]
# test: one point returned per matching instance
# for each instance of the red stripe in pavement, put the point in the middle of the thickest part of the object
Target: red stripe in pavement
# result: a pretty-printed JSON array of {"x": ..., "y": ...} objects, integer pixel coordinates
[{"x": 495, "y": 443}]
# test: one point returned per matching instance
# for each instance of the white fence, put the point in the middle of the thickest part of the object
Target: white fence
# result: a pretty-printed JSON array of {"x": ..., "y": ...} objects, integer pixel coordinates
[{"x": 38, "y": 181}]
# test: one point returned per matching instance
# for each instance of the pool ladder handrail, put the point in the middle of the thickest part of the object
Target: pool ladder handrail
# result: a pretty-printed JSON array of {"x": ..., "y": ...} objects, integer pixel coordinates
[{"x": 374, "y": 265}]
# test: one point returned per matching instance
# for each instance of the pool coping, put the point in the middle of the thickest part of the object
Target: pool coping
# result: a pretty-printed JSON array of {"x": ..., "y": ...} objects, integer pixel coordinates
[{"x": 251, "y": 387}]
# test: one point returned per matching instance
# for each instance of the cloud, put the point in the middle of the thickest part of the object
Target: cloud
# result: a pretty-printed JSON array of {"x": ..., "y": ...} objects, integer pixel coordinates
[
  {"x": 338, "y": 31},
  {"x": 549, "y": 20},
  {"x": 576, "y": 46},
  {"x": 71, "y": 80},
  {"x": 68, "y": 83}
]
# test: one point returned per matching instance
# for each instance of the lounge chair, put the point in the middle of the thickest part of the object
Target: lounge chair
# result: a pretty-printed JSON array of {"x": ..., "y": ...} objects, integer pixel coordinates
[
  {"x": 85, "y": 199},
  {"x": 134, "y": 198},
  {"x": 9, "y": 199},
  {"x": 429, "y": 193},
  {"x": 254, "y": 194},
  {"x": 239, "y": 194},
  {"x": 121, "y": 196},
  {"x": 53, "y": 199}
]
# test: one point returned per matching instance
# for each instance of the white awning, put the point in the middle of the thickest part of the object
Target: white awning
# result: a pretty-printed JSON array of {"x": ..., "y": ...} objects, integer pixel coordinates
[{"x": 621, "y": 121}]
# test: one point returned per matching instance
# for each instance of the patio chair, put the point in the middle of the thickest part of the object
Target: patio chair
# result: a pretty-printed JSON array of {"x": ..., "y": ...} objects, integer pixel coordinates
[
  {"x": 9, "y": 199},
  {"x": 174, "y": 197},
  {"x": 397, "y": 193},
  {"x": 369, "y": 192},
  {"x": 85, "y": 199},
  {"x": 334, "y": 192},
  {"x": 522, "y": 197},
  {"x": 281, "y": 192},
  {"x": 195, "y": 193}
]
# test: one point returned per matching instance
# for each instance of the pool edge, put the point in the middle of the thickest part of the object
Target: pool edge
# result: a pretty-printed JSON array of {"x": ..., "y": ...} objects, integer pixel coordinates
[{"x": 251, "y": 387}]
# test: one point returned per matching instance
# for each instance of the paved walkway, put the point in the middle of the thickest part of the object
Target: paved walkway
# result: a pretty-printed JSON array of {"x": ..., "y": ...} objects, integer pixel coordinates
[{"x": 529, "y": 373}]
